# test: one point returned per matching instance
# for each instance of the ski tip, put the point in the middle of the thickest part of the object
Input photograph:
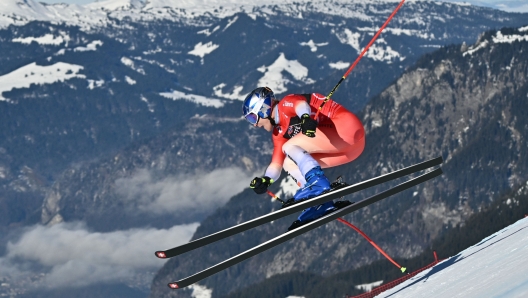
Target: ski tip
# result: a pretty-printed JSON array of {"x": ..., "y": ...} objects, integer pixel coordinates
[
  {"x": 161, "y": 254},
  {"x": 403, "y": 269},
  {"x": 174, "y": 285}
]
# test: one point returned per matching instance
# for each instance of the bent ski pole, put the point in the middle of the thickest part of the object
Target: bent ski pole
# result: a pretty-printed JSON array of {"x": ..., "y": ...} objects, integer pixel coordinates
[
  {"x": 402, "y": 269},
  {"x": 358, "y": 58}
]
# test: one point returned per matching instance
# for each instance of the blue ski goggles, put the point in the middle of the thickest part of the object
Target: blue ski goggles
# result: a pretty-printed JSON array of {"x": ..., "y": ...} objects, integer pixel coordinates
[{"x": 252, "y": 118}]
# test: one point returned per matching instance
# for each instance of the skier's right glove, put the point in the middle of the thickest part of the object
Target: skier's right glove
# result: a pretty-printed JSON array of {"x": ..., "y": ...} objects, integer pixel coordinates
[{"x": 260, "y": 184}]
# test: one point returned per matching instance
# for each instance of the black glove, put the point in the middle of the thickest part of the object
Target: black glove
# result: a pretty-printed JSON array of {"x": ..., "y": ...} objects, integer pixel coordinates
[
  {"x": 260, "y": 184},
  {"x": 308, "y": 125}
]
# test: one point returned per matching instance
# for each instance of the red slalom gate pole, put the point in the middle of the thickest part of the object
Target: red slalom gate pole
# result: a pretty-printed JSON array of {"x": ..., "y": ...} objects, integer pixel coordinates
[
  {"x": 402, "y": 269},
  {"x": 359, "y": 57}
]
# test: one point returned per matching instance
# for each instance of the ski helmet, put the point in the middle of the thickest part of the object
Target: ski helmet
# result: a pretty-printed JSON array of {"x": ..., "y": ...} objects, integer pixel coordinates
[{"x": 258, "y": 104}]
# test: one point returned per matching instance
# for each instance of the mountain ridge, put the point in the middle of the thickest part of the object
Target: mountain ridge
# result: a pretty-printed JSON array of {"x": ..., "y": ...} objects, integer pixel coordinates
[
  {"x": 428, "y": 108},
  {"x": 102, "y": 145},
  {"x": 99, "y": 13}
]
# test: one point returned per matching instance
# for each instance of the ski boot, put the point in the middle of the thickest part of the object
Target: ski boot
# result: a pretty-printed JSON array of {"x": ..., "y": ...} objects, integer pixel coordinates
[
  {"x": 315, "y": 212},
  {"x": 316, "y": 184},
  {"x": 297, "y": 198}
]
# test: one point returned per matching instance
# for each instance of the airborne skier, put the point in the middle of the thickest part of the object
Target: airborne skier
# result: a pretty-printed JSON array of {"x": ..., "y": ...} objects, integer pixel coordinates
[
  {"x": 303, "y": 145},
  {"x": 333, "y": 137}
]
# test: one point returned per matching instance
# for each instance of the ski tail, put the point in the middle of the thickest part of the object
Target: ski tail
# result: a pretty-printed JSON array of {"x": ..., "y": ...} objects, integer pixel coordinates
[
  {"x": 301, "y": 230},
  {"x": 163, "y": 254}
]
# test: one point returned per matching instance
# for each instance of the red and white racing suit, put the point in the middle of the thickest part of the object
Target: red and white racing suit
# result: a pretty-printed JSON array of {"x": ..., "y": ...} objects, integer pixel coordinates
[{"x": 339, "y": 137}]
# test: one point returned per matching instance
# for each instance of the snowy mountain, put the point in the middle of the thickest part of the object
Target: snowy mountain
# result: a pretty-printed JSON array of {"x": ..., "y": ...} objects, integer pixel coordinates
[
  {"x": 464, "y": 102},
  {"x": 289, "y": 59},
  {"x": 114, "y": 80},
  {"x": 100, "y": 13},
  {"x": 111, "y": 113},
  {"x": 103, "y": 13}
]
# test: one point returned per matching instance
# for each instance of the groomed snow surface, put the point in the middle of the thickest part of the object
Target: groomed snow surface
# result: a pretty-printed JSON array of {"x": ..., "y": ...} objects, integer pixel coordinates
[{"x": 495, "y": 267}]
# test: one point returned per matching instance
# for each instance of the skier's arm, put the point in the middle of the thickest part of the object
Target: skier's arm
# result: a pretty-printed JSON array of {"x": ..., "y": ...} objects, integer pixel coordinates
[
  {"x": 261, "y": 184},
  {"x": 308, "y": 125},
  {"x": 273, "y": 171},
  {"x": 301, "y": 108},
  {"x": 277, "y": 158}
]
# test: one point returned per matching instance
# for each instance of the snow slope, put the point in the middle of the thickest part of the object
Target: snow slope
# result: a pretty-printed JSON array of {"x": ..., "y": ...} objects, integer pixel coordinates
[
  {"x": 495, "y": 267},
  {"x": 27, "y": 75}
]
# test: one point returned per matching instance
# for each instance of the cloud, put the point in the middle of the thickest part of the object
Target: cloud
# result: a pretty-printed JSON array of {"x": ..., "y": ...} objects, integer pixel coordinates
[
  {"x": 74, "y": 256},
  {"x": 70, "y": 255},
  {"x": 181, "y": 194}
]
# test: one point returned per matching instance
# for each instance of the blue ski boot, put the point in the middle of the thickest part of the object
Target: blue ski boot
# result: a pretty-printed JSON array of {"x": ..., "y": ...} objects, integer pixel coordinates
[{"x": 316, "y": 184}]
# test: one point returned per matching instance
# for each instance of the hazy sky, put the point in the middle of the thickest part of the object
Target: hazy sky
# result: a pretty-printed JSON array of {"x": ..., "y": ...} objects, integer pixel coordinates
[{"x": 508, "y": 5}]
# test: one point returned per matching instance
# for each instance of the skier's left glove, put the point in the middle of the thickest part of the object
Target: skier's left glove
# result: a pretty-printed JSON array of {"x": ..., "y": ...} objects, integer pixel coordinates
[
  {"x": 260, "y": 184},
  {"x": 308, "y": 125}
]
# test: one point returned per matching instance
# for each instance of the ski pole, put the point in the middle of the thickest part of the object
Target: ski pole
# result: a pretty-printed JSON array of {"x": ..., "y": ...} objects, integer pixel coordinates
[
  {"x": 359, "y": 58},
  {"x": 274, "y": 197},
  {"x": 402, "y": 269}
]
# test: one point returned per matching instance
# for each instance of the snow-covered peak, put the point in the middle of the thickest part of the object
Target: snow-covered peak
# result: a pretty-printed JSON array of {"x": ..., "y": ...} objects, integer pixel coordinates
[
  {"x": 113, "y": 5},
  {"x": 498, "y": 37},
  {"x": 208, "y": 4},
  {"x": 20, "y": 12},
  {"x": 24, "y": 9}
]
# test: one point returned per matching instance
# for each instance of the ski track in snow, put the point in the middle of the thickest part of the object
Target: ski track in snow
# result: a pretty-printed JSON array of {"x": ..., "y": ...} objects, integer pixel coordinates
[{"x": 495, "y": 267}]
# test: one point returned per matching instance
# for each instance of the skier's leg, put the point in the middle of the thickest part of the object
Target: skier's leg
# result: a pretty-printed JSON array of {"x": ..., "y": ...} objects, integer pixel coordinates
[
  {"x": 341, "y": 134},
  {"x": 328, "y": 160},
  {"x": 302, "y": 159},
  {"x": 293, "y": 170},
  {"x": 337, "y": 141},
  {"x": 316, "y": 182},
  {"x": 333, "y": 145}
]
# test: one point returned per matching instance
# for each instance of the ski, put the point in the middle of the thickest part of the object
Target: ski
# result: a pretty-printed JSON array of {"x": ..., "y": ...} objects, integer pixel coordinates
[
  {"x": 301, "y": 230},
  {"x": 297, "y": 208}
]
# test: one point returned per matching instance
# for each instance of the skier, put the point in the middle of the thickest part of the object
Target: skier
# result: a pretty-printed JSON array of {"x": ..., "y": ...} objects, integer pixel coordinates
[{"x": 303, "y": 145}]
